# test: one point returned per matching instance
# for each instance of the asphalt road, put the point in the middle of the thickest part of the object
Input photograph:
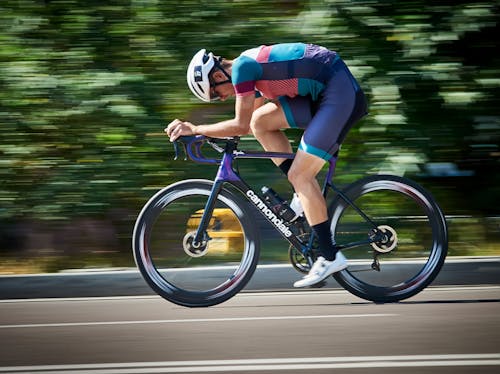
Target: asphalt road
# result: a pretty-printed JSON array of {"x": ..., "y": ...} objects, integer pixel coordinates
[{"x": 442, "y": 330}]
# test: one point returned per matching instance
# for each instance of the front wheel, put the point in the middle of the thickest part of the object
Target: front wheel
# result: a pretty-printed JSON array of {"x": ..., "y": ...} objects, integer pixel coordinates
[
  {"x": 182, "y": 270},
  {"x": 408, "y": 237}
]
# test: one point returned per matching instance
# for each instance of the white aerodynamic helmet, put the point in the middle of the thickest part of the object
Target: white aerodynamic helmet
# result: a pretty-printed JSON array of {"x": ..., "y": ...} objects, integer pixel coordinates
[{"x": 198, "y": 75}]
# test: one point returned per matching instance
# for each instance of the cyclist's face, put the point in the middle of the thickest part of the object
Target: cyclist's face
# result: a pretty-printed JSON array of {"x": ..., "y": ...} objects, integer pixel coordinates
[{"x": 221, "y": 87}]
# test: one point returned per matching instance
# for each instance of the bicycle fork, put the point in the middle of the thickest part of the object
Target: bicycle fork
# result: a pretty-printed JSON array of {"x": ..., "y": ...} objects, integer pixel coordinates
[
  {"x": 225, "y": 173},
  {"x": 201, "y": 236}
]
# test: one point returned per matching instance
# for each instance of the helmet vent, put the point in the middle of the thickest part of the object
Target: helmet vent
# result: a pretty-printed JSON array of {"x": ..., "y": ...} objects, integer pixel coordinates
[{"x": 200, "y": 87}]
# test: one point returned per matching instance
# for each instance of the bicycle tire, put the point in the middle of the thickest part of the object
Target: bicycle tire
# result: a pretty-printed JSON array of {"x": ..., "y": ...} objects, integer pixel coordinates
[
  {"x": 157, "y": 238},
  {"x": 429, "y": 227}
]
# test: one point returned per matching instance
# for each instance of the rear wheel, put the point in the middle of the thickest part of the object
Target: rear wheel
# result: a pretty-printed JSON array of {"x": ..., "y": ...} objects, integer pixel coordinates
[
  {"x": 409, "y": 237},
  {"x": 190, "y": 273}
]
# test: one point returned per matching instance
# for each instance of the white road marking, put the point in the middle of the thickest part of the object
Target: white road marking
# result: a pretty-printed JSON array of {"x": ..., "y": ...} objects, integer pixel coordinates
[
  {"x": 294, "y": 363},
  {"x": 192, "y": 320}
]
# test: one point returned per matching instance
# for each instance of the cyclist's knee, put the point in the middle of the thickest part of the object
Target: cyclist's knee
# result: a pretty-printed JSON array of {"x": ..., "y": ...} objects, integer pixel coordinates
[
  {"x": 259, "y": 119},
  {"x": 268, "y": 117},
  {"x": 254, "y": 124},
  {"x": 298, "y": 178},
  {"x": 304, "y": 169}
]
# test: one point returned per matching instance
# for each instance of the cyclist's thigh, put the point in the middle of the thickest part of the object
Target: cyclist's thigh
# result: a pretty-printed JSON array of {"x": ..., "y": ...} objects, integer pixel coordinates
[
  {"x": 323, "y": 134},
  {"x": 298, "y": 110},
  {"x": 269, "y": 116}
]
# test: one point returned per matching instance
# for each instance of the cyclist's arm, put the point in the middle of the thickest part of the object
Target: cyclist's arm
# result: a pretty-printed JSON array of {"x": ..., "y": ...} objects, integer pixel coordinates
[{"x": 239, "y": 125}]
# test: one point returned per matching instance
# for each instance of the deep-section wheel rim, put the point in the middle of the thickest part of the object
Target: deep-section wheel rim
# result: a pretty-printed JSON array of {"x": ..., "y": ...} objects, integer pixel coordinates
[
  {"x": 189, "y": 280},
  {"x": 416, "y": 273}
]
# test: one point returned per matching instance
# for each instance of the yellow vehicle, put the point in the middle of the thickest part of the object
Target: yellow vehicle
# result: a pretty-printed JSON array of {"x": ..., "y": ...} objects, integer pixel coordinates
[{"x": 223, "y": 229}]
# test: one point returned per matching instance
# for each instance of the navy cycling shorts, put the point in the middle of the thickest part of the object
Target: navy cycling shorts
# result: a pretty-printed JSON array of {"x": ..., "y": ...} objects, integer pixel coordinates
[{"x": 327, "y": 120}]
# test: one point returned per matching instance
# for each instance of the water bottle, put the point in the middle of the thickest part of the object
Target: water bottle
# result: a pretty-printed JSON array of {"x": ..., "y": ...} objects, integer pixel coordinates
[{"x": 278, "y": 205}]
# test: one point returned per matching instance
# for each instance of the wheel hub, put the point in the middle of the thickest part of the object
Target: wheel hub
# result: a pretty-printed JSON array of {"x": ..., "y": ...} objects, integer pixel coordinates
[
  {"x": 389, "y": 239},
  {"x": 193, "y": 249}
]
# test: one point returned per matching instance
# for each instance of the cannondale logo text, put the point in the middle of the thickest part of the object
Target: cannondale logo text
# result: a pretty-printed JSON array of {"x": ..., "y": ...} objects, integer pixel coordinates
[{"x": 269, "y": 213}]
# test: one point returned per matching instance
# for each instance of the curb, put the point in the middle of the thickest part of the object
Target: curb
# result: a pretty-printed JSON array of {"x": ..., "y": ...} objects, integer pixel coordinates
[{"x": 129, "y": 282}]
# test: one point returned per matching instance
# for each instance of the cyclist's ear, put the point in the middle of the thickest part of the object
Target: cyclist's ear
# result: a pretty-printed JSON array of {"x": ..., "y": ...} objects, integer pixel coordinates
[{"x": 218, "y": 76}]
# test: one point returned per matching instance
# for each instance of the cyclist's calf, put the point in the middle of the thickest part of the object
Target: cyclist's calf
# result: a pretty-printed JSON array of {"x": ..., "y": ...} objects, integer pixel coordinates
[{"x": 302, "y": 176}]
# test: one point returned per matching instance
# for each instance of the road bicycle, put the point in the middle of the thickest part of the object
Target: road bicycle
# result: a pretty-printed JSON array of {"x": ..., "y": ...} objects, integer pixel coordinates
[{"x": 197, "y": 242}]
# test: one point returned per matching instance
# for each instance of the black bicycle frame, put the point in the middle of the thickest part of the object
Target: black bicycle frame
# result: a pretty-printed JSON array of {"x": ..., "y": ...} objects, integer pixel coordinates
[{"x": 227, "y": 174}]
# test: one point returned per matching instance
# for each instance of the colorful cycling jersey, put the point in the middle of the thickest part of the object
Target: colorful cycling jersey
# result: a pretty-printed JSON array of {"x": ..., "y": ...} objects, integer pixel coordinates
[{"x": 288, "y": 69}]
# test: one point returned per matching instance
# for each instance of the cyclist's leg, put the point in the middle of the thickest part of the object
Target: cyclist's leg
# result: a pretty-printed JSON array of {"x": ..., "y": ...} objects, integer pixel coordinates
[
  {"x": 339, "y": 108},
  {"x": 325, "y": 127},
  {"x": 294, "y": 112},
  {"x": 266, "y": 123},
  {"x": 302, "y": 176},
  {"x": 341, "y": 105}
]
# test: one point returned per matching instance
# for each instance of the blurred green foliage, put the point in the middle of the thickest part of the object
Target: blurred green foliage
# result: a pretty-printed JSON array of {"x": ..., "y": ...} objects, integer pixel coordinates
[{"x": 86, "y": 88}]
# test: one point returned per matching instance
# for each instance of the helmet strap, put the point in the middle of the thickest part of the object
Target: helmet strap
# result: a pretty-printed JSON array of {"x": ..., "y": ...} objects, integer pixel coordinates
[{"x": 218, "y": 65}]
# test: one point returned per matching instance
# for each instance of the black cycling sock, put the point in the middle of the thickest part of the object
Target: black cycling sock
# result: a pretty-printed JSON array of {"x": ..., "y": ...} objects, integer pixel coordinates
[
  {"x": 326, "y": 246},
  {"x": 286, "y": 165}
]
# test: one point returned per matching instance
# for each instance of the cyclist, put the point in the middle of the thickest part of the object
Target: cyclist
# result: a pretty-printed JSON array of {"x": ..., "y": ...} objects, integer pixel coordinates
[{"x": 306, "y": 86}]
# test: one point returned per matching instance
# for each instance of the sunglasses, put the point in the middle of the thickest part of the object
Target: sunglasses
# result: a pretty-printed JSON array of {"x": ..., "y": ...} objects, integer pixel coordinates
[{"x": 213, "y": 93}]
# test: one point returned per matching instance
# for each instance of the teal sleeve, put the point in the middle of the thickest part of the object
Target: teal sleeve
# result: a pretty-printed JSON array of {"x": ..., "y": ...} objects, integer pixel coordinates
[{"x": 245, "y": 72}]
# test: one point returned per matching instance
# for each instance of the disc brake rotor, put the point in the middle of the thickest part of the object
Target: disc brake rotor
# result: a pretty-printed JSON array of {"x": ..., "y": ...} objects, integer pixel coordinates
[
  {"x": 389, "y": 239},
  {"x": 194, "y": 250}
]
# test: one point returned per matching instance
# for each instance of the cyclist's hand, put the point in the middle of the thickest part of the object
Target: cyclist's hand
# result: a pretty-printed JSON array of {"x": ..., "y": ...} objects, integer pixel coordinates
[{"x": 178, "y": 128}]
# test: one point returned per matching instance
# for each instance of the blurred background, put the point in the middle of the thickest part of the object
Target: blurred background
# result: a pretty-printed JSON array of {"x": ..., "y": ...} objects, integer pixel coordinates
[{"x": 86, "y": 88}]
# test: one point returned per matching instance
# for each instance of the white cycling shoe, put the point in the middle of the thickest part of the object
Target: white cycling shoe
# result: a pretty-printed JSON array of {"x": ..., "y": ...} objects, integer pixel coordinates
[{"x": 322, "y": 269}]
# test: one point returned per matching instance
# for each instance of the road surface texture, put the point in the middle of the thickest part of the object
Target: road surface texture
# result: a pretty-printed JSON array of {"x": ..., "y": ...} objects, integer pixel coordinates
[{"x": 442, "y": 330}]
